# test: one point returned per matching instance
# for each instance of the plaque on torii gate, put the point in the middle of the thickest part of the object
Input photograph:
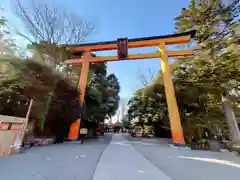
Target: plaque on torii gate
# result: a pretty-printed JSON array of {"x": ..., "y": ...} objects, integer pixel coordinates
[{"x": 122, "y": 46}]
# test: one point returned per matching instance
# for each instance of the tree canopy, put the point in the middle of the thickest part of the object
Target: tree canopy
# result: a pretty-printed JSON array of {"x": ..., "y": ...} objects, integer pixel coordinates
[
  {"x": 43, "y": 74},
  {"x": 201, "y": 81}
]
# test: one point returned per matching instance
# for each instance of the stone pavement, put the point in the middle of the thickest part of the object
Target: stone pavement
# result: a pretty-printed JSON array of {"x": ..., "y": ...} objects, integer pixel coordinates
[
  {"x": 105, "y": 159},
  {"x": 183, "y": 164},
  {"x": 120, "y": 161},
  {"x": 55, "y": 162}
]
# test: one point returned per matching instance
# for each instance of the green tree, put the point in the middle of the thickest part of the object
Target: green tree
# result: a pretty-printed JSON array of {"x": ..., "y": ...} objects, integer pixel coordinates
[
  {"x": 126, "y": 122},
  {"x": 112, "y": 91},
  {"x": 46, "y": 63},
  {"x": 102, "y": 96},
  {"x": 148, "y": 108},
  {"x": 215, "y": 67},
  {"x": 33, "y": 80},
  {"x": 47, "y": 26}
]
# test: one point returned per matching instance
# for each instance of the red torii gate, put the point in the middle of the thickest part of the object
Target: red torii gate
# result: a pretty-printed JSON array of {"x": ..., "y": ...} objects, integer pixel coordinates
[{"x": 122, "y": 46}]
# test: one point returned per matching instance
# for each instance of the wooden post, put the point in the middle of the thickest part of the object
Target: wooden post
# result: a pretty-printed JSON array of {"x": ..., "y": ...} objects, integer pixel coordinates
[
  {"x": 25, "y": 123},
  {"x": 29, "y": 109},
  {"x": 175, "y": 122},
  {"x": 75, "y": 127}
]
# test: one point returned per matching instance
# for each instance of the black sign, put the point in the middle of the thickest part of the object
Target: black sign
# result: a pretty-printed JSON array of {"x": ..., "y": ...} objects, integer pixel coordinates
[{"x": 122, "y": 48}]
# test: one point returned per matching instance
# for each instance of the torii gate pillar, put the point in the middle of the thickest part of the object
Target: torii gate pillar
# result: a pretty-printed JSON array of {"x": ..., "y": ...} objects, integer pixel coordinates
[
  {"x": 175, "y": 122},
  {"x": 75, "y": 127}
]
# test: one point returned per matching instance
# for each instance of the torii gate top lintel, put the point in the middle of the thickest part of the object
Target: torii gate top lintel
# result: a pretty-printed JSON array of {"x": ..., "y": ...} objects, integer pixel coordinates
[
  {"x": 123, "y": 44},
  {"x": 180, "y": 38}
]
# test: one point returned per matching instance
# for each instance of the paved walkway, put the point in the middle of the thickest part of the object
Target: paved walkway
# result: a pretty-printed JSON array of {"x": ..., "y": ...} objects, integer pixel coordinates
[
  {"x": 120, "y": 161},
  {"x": 55, "y": 162}
]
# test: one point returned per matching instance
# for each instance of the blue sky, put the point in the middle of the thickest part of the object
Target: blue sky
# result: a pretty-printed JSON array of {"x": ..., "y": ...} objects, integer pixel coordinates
[{"x": 122, "y": 18}]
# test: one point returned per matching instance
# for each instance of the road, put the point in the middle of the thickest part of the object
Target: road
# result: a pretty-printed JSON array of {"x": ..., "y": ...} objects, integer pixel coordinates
[
  {"x": 119, "y": 157},
  {"x": 55, "y": 162},
  {"x": 188, "y": 164}
]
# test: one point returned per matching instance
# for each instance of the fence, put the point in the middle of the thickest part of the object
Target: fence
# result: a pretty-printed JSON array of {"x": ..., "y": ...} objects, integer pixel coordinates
[{"x": 12, "y": 130}]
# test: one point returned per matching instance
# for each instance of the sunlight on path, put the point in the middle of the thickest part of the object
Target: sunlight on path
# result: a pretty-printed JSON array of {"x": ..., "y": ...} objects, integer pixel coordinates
[{"x": 216, "y": 161}]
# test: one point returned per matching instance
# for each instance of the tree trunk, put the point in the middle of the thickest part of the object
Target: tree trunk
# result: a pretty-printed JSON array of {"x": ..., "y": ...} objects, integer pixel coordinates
[{"x": 231, "y": 119}]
